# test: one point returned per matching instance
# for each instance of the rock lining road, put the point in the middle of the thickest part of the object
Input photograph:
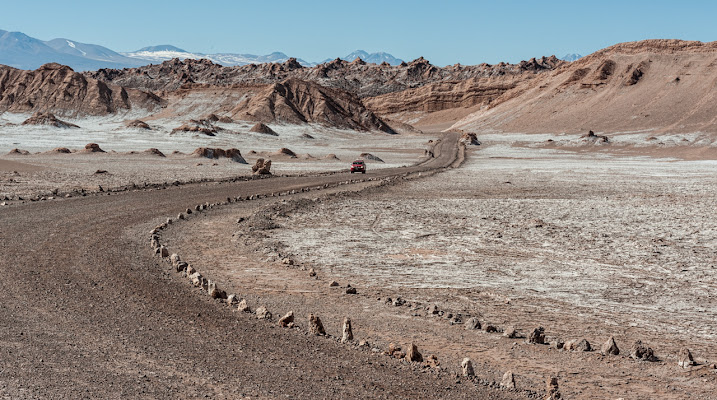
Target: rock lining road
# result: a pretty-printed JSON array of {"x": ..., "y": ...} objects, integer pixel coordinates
[{"x": 87, "y": 312}]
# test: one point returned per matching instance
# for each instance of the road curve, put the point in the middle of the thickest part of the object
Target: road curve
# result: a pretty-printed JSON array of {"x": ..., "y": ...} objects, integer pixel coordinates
[{"x": 87, "y": 312}]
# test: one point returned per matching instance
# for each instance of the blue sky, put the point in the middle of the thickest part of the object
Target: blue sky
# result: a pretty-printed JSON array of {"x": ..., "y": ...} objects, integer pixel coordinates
[{"x": 444, "y": 32}]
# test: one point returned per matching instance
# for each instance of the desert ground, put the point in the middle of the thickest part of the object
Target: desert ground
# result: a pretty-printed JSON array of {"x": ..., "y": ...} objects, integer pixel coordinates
[
  {"x": 543, "y": 229},
  {"x": 524, "y": 233}
]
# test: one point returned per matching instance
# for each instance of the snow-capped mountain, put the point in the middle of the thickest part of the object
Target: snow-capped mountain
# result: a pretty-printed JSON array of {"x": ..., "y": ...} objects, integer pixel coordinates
[
  {"x": 24, "y": 52},
  {"x": 158, "y": 54},
  {"x": 571, "y": 57},
  {"x": 375, "y": 58}
]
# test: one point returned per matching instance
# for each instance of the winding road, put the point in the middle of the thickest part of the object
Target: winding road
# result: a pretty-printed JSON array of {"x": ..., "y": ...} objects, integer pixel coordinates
[{"x": 86, "y": 311}]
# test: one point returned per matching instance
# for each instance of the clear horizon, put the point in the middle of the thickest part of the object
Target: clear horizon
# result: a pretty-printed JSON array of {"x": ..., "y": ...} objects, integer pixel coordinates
[{"x": 466, "y": 32}]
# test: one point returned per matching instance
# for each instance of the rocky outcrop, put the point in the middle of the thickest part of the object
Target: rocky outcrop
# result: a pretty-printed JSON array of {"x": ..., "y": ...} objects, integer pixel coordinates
[
  {"x": 58, "y": 89},
  {"x": 298, "y": 102},
  {"x": 48, "y": 119},
  {"x": 365, "y": 80},
  {"x": 263, "y": 128},
  {"x": 233, "y": 154},
  {"x": 138, "y": 124},
  {"x": 92, "y": 148},
  {"x": 261, "y": 167}
]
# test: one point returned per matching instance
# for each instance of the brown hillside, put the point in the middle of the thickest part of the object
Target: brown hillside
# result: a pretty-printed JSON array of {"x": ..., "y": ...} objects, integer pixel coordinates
[
  {"x": 57, "y": 88},
  {"x": 296, "y": 102},
  {"x": 655, "y": 85}
]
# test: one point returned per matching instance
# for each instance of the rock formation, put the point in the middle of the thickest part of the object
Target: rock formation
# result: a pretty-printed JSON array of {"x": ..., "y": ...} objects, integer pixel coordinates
[
  {"x": 233, "y": 154},
  {"x": 508, "y": 380},
  {"x": 295, "y": 101},
  {"x": 260, "y": 127},
  {"x": 261, "y": 167},
  {"x": 58, "y": 89},
  {"x": 46, "y": 118},
  {"x": 138, "y": 124}
]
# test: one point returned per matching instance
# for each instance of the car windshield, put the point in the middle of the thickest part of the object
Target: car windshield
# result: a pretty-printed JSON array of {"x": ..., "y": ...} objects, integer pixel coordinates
[{"x": 358, "y": 162}]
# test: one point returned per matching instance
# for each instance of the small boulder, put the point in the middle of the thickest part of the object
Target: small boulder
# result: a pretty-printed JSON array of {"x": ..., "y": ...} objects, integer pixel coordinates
[
  {"x": 551, "y": 386},
  {"x": 232, "y": 299},
  {"x": 317, "y": 328},
  {"x": 413, "y": 354},
  {"x": 537, "y": 336},
  {"x": 472, "y": 323},
  {"x": 351, "y": 290},
  {"x": 243, "y": 306},
  {"x": 639, "y": 351},
  {"x": 610, "y": 347},
  {"x": 467, "y": 366},
  {"x": 685, "y": 360},
  {"x": 215, "y": 292},
  {"x": 333, "y": 284},
  {"x": 261, "y": 167},
  {"x": 163, "y": 251},
  {"x": 287, "y": 320},
  {"x": 511, "y": 333},
  {"x": 174, "y": 259},
  {"x": 263, "y": 313},
  {"x": 508, "y": 380}
]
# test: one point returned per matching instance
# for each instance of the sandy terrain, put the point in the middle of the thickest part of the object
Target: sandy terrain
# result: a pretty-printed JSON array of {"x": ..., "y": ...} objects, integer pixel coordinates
[{"x": 587, "y": 246}]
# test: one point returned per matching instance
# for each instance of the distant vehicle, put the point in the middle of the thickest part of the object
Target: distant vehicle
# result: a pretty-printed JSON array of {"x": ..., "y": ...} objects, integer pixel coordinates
[{"x": 358, "y": 166}]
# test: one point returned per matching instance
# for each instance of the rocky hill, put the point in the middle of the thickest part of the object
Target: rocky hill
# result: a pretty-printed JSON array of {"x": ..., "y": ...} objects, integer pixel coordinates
[
  {"x": 653, "y": 85},
  {"x": 358, "y": 77},
  {"x": 59, "y": 89},
  {"x": 295, "y": 101}
]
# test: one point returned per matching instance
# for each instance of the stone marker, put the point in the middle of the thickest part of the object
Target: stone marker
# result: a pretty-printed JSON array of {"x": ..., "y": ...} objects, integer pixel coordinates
[
  {"x": 537, "y": 336},
  {"x": 685, "y": 360},
  {"x": 163, "y": 252},
  {"x": 333, "y": 284},
  {"x": 181, "y": 266},
  {"x": 287, "y": 320},
  {"x": 263, "y": 313},
  {"x": 511, "y": 333},
  {"x": 174, "y": 259},
  {"x": 472, "y": 323},
  {"x": 232, "y": 299},
  {"x": 508, "y": 380},
  {"x": 467, "y": 366},
  {"x": 317, "y": 328},
  {"x": 639, "y": 351},
  {"x": 610, "y": 347},
  {"x": 243, "y": 306},
  {"x": 413, "y": 354},
  {"x": 348, "y": 334},
  {"x": 215, "y": 292},
  {"x": 180, "y": 216},
  {"x": 552, "y": 389}
]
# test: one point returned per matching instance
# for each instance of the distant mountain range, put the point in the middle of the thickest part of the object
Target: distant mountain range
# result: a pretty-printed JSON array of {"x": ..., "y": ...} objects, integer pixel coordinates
[
  {"x": 24, "y": 52},
  {"x": 374, "y": 58},
  {"x": 571, "y": 57}
]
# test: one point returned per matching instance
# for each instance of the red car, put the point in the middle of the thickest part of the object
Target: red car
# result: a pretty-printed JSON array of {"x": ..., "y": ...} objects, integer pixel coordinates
[{"x": 358, "y": 166}]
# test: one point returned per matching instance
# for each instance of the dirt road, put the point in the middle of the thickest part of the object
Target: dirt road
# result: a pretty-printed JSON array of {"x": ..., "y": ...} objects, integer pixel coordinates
[{"x": 87, "y": 312}]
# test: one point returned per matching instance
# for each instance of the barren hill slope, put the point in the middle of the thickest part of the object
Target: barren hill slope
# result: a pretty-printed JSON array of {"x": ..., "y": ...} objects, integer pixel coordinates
[
  {"x": 295, "y": 101},
  {"x": 59, "y": 89},
  {"x": 655, "y": 85}
]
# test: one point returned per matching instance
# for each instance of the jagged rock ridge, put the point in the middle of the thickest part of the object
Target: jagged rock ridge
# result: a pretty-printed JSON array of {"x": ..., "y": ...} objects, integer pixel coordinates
[{"x": 57, "y": 88}]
